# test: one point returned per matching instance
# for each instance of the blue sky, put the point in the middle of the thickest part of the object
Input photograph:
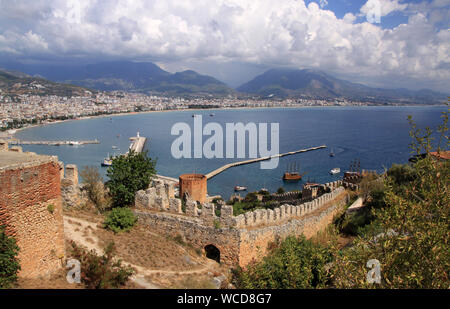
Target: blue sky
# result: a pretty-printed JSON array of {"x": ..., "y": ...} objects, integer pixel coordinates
[{"x": 234, "y": 40}]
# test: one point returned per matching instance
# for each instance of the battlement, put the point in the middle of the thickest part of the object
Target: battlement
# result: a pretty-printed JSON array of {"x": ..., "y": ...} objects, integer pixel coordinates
[
  {"x": 283, "y": 213},
  {"x": 159, "y": 197}
]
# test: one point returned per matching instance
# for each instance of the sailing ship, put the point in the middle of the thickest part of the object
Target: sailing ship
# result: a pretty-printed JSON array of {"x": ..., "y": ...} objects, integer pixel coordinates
[{"x": 292, "y": 173}]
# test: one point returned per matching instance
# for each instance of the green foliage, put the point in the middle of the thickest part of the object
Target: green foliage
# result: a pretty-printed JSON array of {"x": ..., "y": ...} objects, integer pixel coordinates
[
  {"x": 9, "y": 264},
  {"x": 280, "y": 190},
  {"x": 401, "y": 174},
  {"x": 101, "y": 272},
  {"x": 129, "y": 174},
  {"x": 217, "y": 224},
  {"x": 295, "y": 264},
  {"x": 51, "y": 208},
  {"x": 120, "y": 219},
  {"x": 413, "y": 248}
]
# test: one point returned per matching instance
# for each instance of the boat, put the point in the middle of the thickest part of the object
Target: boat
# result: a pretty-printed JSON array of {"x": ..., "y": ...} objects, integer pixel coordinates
[
  {"x": 331, "y": 153},
  {"x": 74, "y": 143},
  {"x": 212, "y": 114},
  {"x": 292, "y": 173},
  {"x": 115, "y": 147},
  {"x": 107, "y": 162},
  {"x": 240, "y": 188},
  {"x": 335, "y": 171}
]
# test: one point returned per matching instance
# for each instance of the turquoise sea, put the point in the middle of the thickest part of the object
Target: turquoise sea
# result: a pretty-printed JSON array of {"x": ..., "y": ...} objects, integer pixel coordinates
[{"x": 377, "y": 136}]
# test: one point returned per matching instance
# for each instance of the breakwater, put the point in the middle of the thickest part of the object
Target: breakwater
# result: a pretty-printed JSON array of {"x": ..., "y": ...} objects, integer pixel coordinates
[
  {"x": 227, "y": 166},
  {"x": 137, "y": 143}
]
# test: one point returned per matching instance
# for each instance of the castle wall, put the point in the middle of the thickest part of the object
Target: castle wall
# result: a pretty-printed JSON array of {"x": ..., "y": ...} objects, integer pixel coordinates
[
  {"x": 254, "y": 241},
  {"x": 30, "y": 208},
  {"x": 194, "y": 232},
  {"x": 246, "y": 237}
]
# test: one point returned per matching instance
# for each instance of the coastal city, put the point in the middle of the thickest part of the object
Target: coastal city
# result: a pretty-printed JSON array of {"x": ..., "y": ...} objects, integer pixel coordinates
[
  {"x": 25, "y": 109},
  {"x": 224, "y": 151}
]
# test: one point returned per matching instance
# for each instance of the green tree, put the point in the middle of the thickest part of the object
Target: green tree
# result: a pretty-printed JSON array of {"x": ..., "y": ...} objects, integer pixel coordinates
[
  {"x": 129, "y": 174},
  {"x": 294, "y": 264},
  {"x": 413, "y": 248},
  {"x": 9, "y": 264}
]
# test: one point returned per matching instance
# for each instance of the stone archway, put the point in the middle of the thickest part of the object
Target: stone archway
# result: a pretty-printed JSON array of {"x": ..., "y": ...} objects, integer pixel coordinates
[{"x": 213, "y": 253}]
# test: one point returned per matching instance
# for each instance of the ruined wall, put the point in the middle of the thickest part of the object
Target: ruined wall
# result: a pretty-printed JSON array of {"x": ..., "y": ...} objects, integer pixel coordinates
[{"x": 30, "y": 207}]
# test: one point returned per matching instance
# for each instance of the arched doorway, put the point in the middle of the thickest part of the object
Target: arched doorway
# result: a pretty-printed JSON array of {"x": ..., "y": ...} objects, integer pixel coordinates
[{"x": 212, "y": 253}]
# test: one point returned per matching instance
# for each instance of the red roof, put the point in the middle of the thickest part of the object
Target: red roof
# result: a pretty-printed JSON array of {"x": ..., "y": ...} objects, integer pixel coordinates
[{"x": 441, "y": 155}]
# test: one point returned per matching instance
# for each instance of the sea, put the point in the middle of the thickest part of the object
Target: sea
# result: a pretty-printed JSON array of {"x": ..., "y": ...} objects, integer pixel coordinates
[{"x": 377, "y": 137}]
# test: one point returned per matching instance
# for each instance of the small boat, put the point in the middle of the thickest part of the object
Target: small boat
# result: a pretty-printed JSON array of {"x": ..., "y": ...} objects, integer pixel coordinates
[
  {"x": 240, "y": 188},
  {"x": 74, "y": 143},
  {"x": 107, "y": 162},
  {"x": 115, "y": 147},
  {"x": 335, "y": 171},
  {"x": 212, "y": 114},
  {"x": 331, "y": 153}
]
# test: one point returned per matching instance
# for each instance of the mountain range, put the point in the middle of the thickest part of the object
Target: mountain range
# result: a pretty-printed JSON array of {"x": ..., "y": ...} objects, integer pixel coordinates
[
  {"x": 147, "y": 77},
  {"x": 14, "y": 83}
]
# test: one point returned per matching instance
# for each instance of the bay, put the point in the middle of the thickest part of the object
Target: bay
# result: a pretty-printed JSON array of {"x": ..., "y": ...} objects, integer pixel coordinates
[{"x": 377, "y": 136}]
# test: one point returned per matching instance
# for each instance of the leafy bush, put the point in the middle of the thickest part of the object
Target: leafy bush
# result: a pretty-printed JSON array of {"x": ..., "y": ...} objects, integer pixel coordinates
[
  {"x": 9, "y": 264},
  {"x": 101, "y": 272},
  {"x": 120, "y": 220},
  {"x": 295, "y": 264},
  {"x": 129, "y": 174},
  {"x": 280, "y": 190}
]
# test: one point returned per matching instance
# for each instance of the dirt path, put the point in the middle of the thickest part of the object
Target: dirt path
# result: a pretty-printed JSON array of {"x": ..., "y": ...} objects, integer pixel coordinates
[{"x": 74, "y": 229}]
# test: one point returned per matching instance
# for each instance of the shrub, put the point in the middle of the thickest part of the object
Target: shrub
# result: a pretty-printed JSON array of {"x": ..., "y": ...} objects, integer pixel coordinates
[
  {"x": 93, "y": 185},
  {"x": 120, "y": 220},
  {"x": 9, "y": 264},
  {"x": 129, "y": 174},
  {"x": 295, "y": 264},
  {"x": 101, "y": 272},
  {"x": 280, "y": 190}
]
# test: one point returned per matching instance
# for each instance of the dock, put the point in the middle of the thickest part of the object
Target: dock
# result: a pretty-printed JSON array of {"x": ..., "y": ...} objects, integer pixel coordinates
[
  {"x": 53, "y": 143},
  {"x": 137, "y": 143},
  {"x": 227, "y": 166}
]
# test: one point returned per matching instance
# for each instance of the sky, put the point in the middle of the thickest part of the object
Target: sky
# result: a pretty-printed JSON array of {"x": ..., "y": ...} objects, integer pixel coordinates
[{"x": 381, "y": 43}]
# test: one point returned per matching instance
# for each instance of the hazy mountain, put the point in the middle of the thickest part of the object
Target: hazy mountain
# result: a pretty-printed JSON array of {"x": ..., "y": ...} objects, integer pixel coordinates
[
  {"x": 317, "y": 84},
  {"x": 130, "y": 76},
  {"x": 13, "y": 83}
]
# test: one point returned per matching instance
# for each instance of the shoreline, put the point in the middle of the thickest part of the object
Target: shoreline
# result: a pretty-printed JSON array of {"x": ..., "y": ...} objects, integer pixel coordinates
[{"x": 13, "y": 135}]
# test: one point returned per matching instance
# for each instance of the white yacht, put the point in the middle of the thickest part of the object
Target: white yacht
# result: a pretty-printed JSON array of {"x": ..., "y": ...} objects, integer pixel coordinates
[{"x": 335, "y": 171}]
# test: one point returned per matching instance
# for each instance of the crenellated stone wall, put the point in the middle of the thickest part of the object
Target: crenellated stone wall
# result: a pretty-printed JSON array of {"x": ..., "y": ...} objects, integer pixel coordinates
[{"x": 242, "y": 238}]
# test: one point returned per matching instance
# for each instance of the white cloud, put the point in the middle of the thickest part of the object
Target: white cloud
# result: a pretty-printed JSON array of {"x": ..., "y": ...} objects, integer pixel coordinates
[
  {"x": 240, "y": 31},
  {"x": 385, "y": 6}
]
